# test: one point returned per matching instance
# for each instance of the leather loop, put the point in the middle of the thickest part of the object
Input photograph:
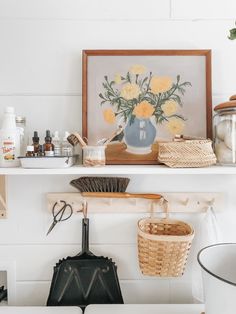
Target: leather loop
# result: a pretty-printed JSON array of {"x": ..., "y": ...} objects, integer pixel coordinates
[{"x": 163, "y": 203}]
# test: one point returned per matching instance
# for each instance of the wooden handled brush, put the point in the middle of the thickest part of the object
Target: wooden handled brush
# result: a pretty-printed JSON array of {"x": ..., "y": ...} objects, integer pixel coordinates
[
  {"x": 108, "y": 187},
  {"x": 75, "y": 139}
]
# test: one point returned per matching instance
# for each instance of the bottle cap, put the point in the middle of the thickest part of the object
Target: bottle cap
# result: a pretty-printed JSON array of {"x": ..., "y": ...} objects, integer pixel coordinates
[
  {"x": 9, "y": 110},
  {"x": 30, "y": 148},
  {"x": 35, "y": 138},
  {"x": 20, "y": 119},
  {"x": 48, "y": 135},
  {"x": 56, "y": 136}
]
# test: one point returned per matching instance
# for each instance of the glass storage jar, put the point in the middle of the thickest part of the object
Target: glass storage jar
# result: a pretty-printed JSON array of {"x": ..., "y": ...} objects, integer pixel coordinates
[
  {"x": 225, "y": 132},
  {"x": 94, "y": 156}
]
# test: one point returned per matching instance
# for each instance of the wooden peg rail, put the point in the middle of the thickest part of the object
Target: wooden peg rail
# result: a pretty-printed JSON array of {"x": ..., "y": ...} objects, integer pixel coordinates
[{"x": 178, "y": 202}]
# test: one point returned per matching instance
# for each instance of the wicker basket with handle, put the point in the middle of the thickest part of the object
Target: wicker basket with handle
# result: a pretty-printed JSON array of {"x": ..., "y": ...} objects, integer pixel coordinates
[
  {"x": 163, "y": 245},
  {"x": 187, "y": 153}
]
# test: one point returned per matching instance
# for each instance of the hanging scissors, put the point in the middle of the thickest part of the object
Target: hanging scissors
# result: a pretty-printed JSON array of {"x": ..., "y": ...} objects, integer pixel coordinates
[{"x": 58, "y": 217}]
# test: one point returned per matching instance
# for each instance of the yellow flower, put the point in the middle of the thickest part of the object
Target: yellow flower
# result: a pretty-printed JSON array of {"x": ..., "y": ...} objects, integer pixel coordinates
[
  {"x": 109, "y": 116},
  {"x": 137, "y": 69},
  {"x": 175, "y": 126},
  {"x": 169, "y": 107},
  {"x": 143, "y": 110},
  {"x": 117, "y": 78},
  {"x": 160, "y": 84},
  {"x": 130, "y": 91}
]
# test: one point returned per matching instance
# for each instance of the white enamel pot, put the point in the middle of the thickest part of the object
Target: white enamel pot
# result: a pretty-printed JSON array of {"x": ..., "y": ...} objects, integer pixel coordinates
[{"x": 218, "y": 263}]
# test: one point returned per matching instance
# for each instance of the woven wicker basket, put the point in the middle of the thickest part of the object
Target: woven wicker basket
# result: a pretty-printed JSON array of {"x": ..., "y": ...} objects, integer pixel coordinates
[
  {"x": 187, "y": 154},
  {"x": 163, "y": 246}
]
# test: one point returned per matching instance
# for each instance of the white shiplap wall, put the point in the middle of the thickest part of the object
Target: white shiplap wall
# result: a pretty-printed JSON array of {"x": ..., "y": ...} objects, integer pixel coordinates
[{"x": 40, "y": 75}]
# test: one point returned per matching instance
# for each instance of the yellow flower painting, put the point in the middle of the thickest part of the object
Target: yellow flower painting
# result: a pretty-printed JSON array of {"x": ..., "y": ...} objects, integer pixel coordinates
[
  {"x": 143, "y": 110},
  {"x": 139, "y": 95}
]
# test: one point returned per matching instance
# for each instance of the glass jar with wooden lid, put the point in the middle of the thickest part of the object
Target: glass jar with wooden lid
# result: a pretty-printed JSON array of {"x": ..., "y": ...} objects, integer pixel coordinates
[{"x": 225, "y": 132}]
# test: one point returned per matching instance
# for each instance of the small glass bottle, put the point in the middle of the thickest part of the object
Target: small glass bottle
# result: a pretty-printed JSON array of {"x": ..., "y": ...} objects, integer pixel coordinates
[
  {"x": 57, "y": 144},
  {"x": 21, "y": 125},
  {"x": 48, "y": 146},
  {"x": 30, "y": 151},
  {"x": 41, "y": 151},
  {"x": 35, "y": 144},
  {"x": 67, "y": 149}
]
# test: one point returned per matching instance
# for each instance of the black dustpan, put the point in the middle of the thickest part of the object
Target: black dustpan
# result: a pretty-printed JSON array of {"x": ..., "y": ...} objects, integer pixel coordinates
[{"x": 85, "y": 278}]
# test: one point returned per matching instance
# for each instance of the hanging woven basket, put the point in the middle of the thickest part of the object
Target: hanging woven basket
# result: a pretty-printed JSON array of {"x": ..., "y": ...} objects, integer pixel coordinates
[{"x": 163, "y": 245}]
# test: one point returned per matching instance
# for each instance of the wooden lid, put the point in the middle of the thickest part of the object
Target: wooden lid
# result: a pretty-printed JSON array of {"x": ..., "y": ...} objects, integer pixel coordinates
[{"x": 228, "y": 104}]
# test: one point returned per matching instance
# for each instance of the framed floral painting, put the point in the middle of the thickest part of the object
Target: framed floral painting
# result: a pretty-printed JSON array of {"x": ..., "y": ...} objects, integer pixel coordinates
[{"x": 151, "y": 95}]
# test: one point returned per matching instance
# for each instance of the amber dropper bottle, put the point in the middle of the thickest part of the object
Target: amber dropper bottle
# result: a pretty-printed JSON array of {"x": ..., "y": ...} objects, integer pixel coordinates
[
  {"x": 36, "y": 145},
  {"x": 48, "y": 147}
]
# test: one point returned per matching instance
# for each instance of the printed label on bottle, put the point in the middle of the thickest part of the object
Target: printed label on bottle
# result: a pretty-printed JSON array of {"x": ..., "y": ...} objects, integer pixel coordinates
[
  {"x": 49, "y": 153},
  {"x": 8, "y": 150}
]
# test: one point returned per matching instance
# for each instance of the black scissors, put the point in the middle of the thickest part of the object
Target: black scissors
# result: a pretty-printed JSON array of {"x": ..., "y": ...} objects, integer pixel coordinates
[{"x": 58, "y": 217}]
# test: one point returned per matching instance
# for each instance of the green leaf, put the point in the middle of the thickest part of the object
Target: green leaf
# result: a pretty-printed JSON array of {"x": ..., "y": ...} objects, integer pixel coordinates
[
  {"x": 176, "y": 98},
  {"x": 103, "y": 102},
  {"x": 131, "y": 119},
  {"x": 179, "y": 116},
  {"x": 128, "y": 78},
  {"x": 101, "y": 96},
  {"x": 232, "y": 34},
  {"x": 186, "y": 84}
]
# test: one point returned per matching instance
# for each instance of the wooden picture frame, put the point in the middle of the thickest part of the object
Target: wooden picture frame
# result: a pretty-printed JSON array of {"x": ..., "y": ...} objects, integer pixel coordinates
[{"x": 193, "y": 63}]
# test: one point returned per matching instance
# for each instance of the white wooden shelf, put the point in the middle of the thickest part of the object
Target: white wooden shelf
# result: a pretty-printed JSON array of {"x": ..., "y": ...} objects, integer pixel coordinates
[{"x": 122, "y": 170}]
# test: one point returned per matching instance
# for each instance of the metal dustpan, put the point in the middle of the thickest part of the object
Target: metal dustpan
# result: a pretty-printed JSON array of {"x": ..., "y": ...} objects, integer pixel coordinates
[{"x": 85, "y": 278}]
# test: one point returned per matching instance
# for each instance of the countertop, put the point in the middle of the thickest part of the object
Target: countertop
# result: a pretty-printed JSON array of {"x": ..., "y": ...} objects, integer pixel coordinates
[
  {"x": 146, "y": 308},
  {"x": 108, "y": 309},
  {"x": 39, "y": 310}
]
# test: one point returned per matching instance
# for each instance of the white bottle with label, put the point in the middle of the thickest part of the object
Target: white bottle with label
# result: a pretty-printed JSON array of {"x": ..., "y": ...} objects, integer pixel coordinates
[
  {"x": 57, "y": 144},
  {"x": 10, "y": 143}
]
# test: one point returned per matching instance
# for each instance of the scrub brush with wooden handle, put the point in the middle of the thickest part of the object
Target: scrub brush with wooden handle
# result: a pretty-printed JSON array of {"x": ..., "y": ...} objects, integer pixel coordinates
[
  {"x": 75, "y": 139},
  {"x": 108, "y": 187}
]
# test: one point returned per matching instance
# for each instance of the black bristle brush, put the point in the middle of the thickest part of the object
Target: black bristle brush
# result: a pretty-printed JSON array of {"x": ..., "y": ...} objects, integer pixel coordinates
[{"x": 100, "y": 184}]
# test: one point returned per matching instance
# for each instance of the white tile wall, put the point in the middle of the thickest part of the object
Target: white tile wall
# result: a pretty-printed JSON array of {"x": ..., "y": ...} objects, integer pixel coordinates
[
  {"x": 40, "y": 75},
  {"x": 85, "y": 9},
  {"x": 203, "y": 9},
  {"x": 44, "y": 57}
]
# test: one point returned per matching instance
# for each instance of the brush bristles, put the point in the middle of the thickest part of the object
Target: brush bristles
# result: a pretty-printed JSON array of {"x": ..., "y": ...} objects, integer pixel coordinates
[
  {"x": 72, "y": 139},
  {"x": 100, "y": 184}
]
